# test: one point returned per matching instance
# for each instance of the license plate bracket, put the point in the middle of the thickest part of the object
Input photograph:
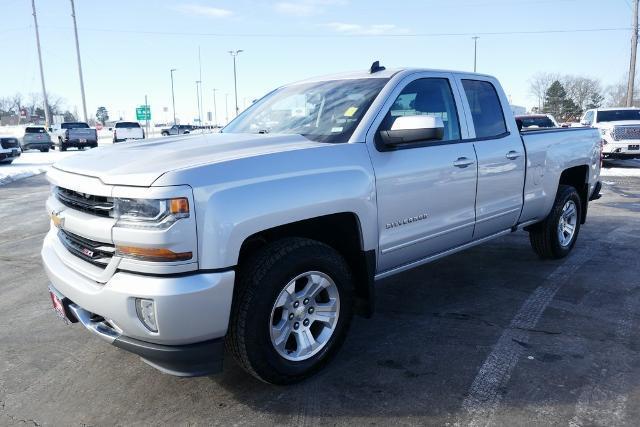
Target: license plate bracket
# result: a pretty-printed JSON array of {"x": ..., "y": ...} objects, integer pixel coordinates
[
  {"x": 14, "y": 153},
  {"x": 83, "y": 140},
  {"x": 634, "y": 147},
  {"x": 60, "y": 306}
]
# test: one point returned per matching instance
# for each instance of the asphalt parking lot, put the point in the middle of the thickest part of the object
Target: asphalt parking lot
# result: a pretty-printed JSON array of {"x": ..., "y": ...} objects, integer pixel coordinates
[{"x": 489, "y": 336}]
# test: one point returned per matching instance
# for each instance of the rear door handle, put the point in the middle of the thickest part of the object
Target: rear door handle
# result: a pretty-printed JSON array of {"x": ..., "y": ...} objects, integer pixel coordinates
[
  {"x": 463, "y": 162},
  {"x": 512, "y": 155}
]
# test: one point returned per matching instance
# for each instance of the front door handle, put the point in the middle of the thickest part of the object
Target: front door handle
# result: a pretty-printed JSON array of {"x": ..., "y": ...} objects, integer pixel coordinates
[
  {"x": 463, "y": 162},
  {"x": 512, "y": 155}
]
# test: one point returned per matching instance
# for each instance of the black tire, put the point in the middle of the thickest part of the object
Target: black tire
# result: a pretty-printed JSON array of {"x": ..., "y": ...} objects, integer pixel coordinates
[
  {"x": 8, "y": 162},
  {"x": 62, "y": 147},
  {"x": 44, "y": 150},
  {"x": 544, "y": 235},
  {"x": 165, "y": 134},
  {"x": 259, "y": 282}
]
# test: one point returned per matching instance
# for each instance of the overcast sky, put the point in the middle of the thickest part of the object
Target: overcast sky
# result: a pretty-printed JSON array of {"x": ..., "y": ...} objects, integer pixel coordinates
[{"x": 128, "y": 47}]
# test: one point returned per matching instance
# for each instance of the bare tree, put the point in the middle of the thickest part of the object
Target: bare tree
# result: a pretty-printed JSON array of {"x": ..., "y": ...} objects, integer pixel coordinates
[
  {"x": 539, "y": 84},
  {"x": 616, "y": 94},
  {"x": 583, "y": 91}
]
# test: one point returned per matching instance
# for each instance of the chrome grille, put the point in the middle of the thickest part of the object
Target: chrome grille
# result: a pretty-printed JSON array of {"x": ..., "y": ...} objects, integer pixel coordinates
[
  {"x": 626, "y": 132},
  {"x": 95, "y": 205},
  {"x": 9, "y": 143},
  {"x": 96, "y": 253}
]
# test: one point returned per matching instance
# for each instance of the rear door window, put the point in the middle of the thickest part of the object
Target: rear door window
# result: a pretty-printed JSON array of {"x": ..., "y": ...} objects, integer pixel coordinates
[{"x": 486, "y": 109}]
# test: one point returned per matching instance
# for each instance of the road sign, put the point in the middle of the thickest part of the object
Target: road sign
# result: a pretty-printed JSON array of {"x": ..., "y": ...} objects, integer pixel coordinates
[{"x": 143, "y": 112}]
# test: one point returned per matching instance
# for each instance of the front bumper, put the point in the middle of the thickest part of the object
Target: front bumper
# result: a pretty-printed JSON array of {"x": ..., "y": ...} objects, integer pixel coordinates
[
  {"x": 192, "y": 312},
  {"x": 8, "y": 154},
  {"x": 625, "y": 149}
]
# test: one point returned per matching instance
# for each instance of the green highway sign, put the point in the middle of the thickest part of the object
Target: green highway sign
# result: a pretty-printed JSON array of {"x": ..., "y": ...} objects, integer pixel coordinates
[{"x": 143, "y": 112}]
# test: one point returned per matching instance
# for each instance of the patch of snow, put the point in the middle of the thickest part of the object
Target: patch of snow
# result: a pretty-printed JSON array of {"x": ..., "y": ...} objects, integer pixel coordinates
[
  {"x": 629, "y": 167},
  {"x": 29, "y": 164}
]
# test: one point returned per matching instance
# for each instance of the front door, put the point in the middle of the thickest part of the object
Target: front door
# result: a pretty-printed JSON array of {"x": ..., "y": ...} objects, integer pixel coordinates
[{"x": 425, "y": 190}]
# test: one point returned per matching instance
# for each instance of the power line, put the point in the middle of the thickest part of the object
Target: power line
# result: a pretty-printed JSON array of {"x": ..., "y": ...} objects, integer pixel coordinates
[{"x": 395, "y": 35}]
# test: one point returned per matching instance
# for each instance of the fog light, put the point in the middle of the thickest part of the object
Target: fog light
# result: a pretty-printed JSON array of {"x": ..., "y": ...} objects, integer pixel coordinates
[{"x": 147, "y": 313}]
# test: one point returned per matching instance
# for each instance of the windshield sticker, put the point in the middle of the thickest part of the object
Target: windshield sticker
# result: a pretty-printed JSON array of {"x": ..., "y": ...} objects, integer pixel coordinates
[
  {"x": 350, "y": 111},
  {"x": 336, "y": 129}
]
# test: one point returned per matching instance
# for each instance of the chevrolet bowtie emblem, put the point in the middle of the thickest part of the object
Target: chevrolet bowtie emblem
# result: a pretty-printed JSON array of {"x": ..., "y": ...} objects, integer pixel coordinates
[{"x": 57, "y": 220}]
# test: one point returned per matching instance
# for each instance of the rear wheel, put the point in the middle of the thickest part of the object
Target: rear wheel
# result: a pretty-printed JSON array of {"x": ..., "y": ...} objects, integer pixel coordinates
[
  {"x": 165, "y": 133},
  {"x": 554, "y": 237},
  {"x": 44, "y": 150},
  {"x": 292, "y": 309}
]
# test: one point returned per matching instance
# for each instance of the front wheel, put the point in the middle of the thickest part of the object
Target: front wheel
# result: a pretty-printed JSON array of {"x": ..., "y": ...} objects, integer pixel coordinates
[
  {"x": 291, "y": 311},
  {"x": 554, "y": 237}
]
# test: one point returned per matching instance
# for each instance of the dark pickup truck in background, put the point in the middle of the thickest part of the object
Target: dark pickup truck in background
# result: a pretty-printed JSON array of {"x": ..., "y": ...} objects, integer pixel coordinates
[{"x": 74, "y": 134}]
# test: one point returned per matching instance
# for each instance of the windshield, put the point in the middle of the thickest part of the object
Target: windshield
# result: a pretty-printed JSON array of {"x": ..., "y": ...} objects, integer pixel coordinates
[
  {"x": 127, "y": 125},
  {"x": 321, "y": 111},
  {"x": 617, "y": 115},
  {"x": 34, "y": 130},
  {"x": 540, "y": 122},
  {"x": 78, "y": 125}
]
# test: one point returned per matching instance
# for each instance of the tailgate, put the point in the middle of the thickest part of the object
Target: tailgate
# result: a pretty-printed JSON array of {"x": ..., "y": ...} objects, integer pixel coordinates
[{"x": 88, "y": 134}]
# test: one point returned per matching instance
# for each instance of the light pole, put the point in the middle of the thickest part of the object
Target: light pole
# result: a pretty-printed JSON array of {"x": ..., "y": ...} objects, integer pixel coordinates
[
  {"x": 475, "y": 52},
  {"x": 47, "y": 119},
  {"x": 75, "y": 30},
  {"x": 215, "y": 109},
  {"x": 235, "y": 53},
  {"x": 173, "y": 98},
  {"x": 198, "y": 100}
]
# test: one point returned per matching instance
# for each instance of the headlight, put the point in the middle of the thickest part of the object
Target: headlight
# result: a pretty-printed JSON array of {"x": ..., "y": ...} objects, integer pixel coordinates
[{"x": 149, "y": 213}]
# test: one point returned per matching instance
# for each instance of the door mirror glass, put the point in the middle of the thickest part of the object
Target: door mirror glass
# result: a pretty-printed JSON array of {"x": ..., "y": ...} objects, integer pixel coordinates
[{"x": 407, "y": 129}]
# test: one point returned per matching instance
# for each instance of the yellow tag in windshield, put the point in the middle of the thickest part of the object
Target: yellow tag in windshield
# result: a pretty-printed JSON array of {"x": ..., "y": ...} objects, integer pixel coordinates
[{"x": 350, "y": 111}]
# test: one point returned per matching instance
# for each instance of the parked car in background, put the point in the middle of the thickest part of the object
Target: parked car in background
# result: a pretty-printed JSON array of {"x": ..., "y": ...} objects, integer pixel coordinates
[
  {"x": 177, "y": 130},
  {"x": 270, "y": 235},
  {"x": 36, "y": 137},
  {"x": 125, "y": 131},
  {"x": 535, "y": 121},
  {"x": 74, "y": 134},
  {"x": 9, "y": 149},
  {"x": 619, "y": 128}
]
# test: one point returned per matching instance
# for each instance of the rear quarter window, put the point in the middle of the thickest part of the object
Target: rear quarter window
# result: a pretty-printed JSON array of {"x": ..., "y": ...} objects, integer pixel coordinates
[{"x": 486, "y": 109}]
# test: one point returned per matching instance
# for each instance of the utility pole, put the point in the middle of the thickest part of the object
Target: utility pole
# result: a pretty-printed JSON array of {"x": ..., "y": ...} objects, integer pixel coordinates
[
  {"x": 47, "y": 119},
  {"x": 147, "y": 108},
  {"x": 75, "y": 30},
  {"x": 475, "y": 52},
  {"x": 173, "y": 98},
  {"x": 215, "y": 109},
  {"x": 235, "y": 53},
  {"x": 198, "y": 100},
  {"x": 634, "y": 50}
]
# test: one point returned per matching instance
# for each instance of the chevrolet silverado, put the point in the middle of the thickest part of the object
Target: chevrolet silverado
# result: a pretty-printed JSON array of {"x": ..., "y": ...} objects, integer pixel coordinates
[{"x": 266, "y": 238}]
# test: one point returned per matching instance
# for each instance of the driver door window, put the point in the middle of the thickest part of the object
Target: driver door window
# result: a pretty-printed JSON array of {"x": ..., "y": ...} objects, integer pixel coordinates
[{"x": 432, "y": 97}]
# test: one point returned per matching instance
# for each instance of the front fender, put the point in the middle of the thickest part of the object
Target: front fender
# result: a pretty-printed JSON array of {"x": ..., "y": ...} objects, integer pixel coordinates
[{"x": 247, "y": 196}]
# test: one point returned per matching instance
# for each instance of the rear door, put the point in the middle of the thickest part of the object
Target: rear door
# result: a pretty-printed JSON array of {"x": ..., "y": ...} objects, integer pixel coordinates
[
  {"x": 500, "y": 153},
  {"x": 425, "y": 190}
]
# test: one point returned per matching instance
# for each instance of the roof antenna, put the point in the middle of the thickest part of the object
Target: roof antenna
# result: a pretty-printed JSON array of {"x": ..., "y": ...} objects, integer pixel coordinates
[{"x": 375, "y": 67}]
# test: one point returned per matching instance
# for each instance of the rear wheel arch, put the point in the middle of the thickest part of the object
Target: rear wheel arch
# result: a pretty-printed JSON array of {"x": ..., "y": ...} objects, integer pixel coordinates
[
  {"x": 578, "y": 178},
  {"x": 342, "y": 232}
]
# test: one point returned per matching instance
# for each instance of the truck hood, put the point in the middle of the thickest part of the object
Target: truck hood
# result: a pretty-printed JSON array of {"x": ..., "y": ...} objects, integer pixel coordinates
[{"x": 141, "y": 163}]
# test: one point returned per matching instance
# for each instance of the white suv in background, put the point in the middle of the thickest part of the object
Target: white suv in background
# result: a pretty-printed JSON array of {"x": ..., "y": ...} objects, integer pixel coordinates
[
  {"x": 125, "y": 131},
  {"x": 619, "y": 128}
]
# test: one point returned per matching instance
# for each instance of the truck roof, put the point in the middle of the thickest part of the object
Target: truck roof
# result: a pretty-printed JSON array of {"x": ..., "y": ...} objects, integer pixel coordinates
[{"x": 386, "y": 73}]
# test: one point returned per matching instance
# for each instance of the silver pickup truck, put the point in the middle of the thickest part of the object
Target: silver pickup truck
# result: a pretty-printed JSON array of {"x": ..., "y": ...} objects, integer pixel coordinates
[{"x": 266, "y": 238}]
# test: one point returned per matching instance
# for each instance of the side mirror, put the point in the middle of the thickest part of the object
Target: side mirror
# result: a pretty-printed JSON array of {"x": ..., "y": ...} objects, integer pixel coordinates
[
  {"x": 110, "y": 129},
  {"x": 406, "y": 129},
  {"x": 519, "y": 124}
]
